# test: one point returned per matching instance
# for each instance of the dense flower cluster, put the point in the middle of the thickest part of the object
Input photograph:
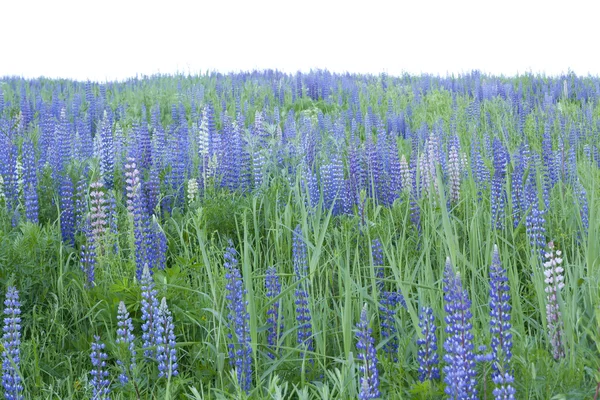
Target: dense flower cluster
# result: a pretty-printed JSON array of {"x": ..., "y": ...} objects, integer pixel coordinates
[
  {"x": 367, "y": 354},
  {"x": 125, "y": 338},
  {"x": 99, "y": 372},
  {"x": 500, "y": 329},
  {"x": 240, "y": 349},
  {"x": 554, "y": 283},
  {"x": 11, "y": 342},
  {"x": 427, "y": 354},
  {"x": 460, "y": 374},
  {"x": 275, "y": 323}
]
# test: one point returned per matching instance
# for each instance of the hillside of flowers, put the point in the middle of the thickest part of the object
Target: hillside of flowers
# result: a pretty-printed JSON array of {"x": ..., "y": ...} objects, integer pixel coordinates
[{"x": 264, "y": 235}]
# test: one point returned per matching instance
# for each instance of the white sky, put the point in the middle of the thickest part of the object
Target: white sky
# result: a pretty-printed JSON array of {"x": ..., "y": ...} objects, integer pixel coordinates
[{"x": 105, "y": 40}]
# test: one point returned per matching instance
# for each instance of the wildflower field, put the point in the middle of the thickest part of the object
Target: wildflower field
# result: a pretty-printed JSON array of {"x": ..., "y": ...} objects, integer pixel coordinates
[{"x": 263, "y": 235}]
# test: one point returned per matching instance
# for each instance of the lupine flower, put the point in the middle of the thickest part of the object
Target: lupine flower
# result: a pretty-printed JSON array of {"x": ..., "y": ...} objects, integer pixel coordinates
[
  {"x": 427, "y": 354},
  {"x": 11, "y": 342},
  {"x": 554, "y": 283},
  {"x": 240, "y": 349},
  {"x": 166, "y": 354},
  {"x": 67, "y": 220},
  {"x": 132, "y": 183},
  {"x": 367, "y": 354},
  {"x": 88, "y": 257},
  {"x": 535, "y": 220},
  {"x": 454, "y": 173},
  {"x": 149, "y": 313},
  {"x": 99, "y": 372},
  {"x": 30, "y": 182},
  {"x": 125, "y": 338},
  {"x": 104, "y": 148},
  {"x": 275, "y": 326},
  {"x": 498, "y": 194},
  {"x": 405, "y": 174},
  {"x": 500, "y": 329},
  {"x": 302, "y": 311},
  {"x": 460, "y": 374},
  {"x": 98, "y": 216},
  {"x": 192, "y": 192}
]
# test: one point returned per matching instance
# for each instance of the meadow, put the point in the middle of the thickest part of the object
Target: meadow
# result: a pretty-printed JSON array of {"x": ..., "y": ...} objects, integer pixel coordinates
[{"x": 315, "y": 235}]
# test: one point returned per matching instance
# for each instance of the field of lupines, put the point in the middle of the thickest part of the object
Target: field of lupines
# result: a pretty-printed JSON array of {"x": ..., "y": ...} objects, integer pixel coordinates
[{"x": 311, "y": 236}]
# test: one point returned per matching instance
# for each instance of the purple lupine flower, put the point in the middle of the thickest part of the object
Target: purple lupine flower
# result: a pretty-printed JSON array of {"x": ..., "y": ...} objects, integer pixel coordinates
[
  {"x": 303, "y": 315},
  {"x": 275, "y": 328},
  {"x": 125, "y": 339},
  {"x": 11, "y": 342},
  {"x": 498, "y": 194},
  {"x": 367, "y": 354},
  {"x": 480, "y": 173},
  {"x": 30, "y": 182},
  {"x": 554, "y": 283},
  {"x": 240, "y": 349},
  {"x": 582, "y": 204},
  {"x": 88, "y": 257},
  {"x": 500, "y": 329},
  {"x": 427, "y": 354},
  {"x": 166, "y": 354},
  {"x": 99, "y": 372},
  {"x": 104, "y": 149},
  {"x": 535, "y": 220},
  {"x": 67, "y": 220},
  {"x": 460, "y": 374},
  {"x": 149, "y": 313}
]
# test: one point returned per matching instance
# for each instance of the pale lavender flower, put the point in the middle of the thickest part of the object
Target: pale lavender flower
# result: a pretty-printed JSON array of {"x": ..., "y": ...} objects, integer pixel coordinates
[{"x": 554, "y": 283}]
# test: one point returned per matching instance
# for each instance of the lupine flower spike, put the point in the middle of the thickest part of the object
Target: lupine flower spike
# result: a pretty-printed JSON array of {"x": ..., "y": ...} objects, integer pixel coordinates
[
  {"x": 427, "y": 355},
  {"x": 460, "y": 374},
  {"x": 149, "y": 313},
  {"x": 125, "y": 338},
  {"x": 275, "y": 326},
  {"x": 500, "y": 330},
  {"x": 166, "y": 354},
  {"x": 99, "y": 373},
  {"x": 367, "y": 354},
  {"x": 554, "y": 283},
  {"x": 240, "y": 349},
  {"x": 11, "y": 341}
]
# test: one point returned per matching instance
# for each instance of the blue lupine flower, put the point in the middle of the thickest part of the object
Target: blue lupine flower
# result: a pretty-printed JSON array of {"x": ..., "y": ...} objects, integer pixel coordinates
[
  {"x": 240, "y": 349},
  {"x": 166, "y": 354},
  {"x": 99, "y": 372},
  {"x": 367, "y": 354},
  {"x": 88, "y": 256},
  {"x": 125, "y": 338},
  {"x": 535, "y": 220},
  {"x": 11, "y": 342},
  {"x": 303, "y": 315},
  {"x": 30, "y": 182},
  {"x": 67, "y": 218},
  {"x": 275, "y": 326},
  {"x": 427, "y": 354},
  {"x": 498, "y": 194},
  {"x": 500, "y": 329},
  {"x": 460, "y": 374},
  {"x": 149, "y": 313}
]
